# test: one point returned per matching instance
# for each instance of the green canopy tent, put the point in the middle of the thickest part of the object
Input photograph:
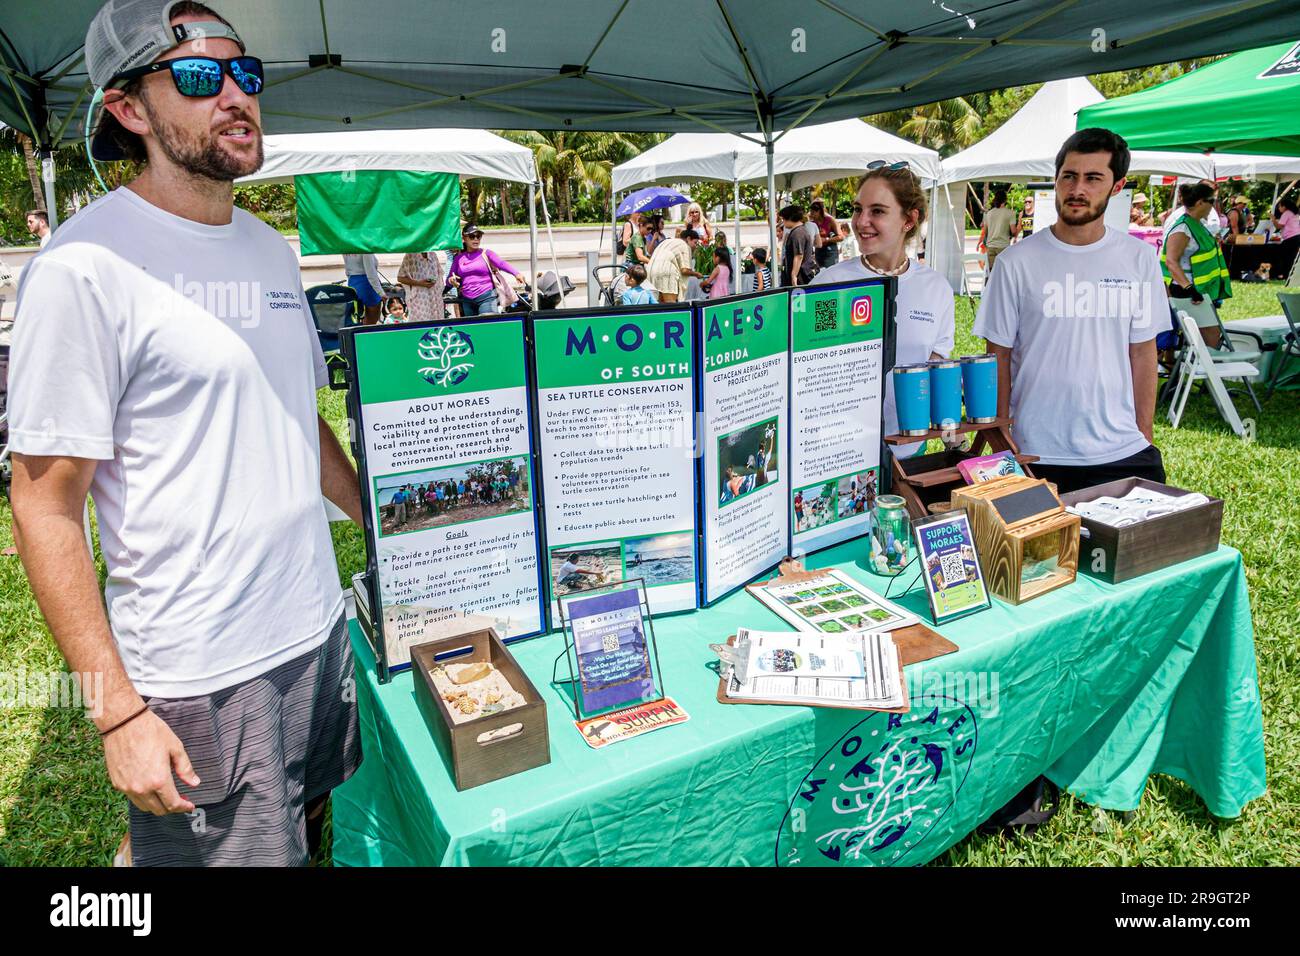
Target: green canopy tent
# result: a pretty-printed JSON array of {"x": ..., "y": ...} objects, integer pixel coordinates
[
  {"x": 761, "y": 68},
  {"x": 1246, "y": 103}
]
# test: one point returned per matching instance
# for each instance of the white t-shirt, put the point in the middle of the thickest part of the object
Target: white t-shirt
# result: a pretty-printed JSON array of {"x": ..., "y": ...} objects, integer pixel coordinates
[
  {"x": 567, "y": 568},
  {"x": 1069, "y": 314},
  {"x": 182, "y": 356},
  {"x": 925, "y": 323}
]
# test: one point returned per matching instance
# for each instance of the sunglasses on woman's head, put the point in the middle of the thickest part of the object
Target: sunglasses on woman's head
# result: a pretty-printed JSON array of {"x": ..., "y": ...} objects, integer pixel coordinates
[
  {"x": 202, "y": 76},
  {"x": 881, "y": 164}
]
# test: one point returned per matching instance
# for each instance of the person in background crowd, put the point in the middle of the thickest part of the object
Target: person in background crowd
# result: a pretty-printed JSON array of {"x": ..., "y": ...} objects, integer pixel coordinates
[
  {"x": 798, "y": 256},
  {"x": 718, "y": 284},
  {"x": 1027, "y": 217},
  {"x": 695, "y": 220},
  {"x": 1213, "y": 221},
  {"x": 634, "y": 293},
  {"x": 1192, "y": 260},
  {"x": 363, "y": 275},
  {"x": 762, "y": 271},
  {"x": 888, "y": 211},
  {"x": 1077, "y": 374},
  {"x": 1137, "y": 213},
  {"x": 848, "y": 242},
  {"x": 630, "y": 228},
  {"x": 1286, "y": 222},
  {"x": 1000, "y": 227},
  {"x": 635, "y": 251},
  {"x": 672, "y": 263},
  {"x": 395, "y": 312},
  {"x": 38, "y": 224},
  {"x": 224, "y": 656},
  {"x": 475, "y": 270},
  {"x": 828, "y": 234},
  {"x": 421, "y": 273},
  {"x": 1238, "y": 218},
  {"x": 655, "y": 234}
]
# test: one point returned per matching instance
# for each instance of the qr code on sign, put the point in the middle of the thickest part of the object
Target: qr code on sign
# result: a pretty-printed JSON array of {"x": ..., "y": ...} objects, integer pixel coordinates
[
  {"x": 953, "y": 569},
  {"x": 609, "y": 643},
  {"x": 824, "y": 315}
]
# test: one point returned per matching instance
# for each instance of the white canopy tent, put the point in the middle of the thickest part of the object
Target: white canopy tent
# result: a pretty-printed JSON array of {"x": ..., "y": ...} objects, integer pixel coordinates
[
  {"x": 801, "y": 157},
  {"x": 1024, "y": 149},
  {"x": 469, "y": 153}
]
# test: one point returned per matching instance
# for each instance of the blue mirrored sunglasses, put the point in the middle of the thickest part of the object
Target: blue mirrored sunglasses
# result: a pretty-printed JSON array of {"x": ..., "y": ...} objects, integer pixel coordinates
[
  {"x": 203, "y": 75},
  {"x": 881, "y": 164}
]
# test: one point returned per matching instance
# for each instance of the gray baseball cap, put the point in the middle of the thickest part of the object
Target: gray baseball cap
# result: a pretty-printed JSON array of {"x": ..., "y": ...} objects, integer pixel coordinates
[{"x": 130, "y": 33}]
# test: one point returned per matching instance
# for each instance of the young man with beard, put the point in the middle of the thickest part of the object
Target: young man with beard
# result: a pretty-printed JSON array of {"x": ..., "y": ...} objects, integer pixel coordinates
[
  {"x": 166, "y": 363},
  {"x": 1072, "y": 315}
]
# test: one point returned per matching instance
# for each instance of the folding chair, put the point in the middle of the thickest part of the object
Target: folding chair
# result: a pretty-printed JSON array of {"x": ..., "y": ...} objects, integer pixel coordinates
[
  {"x": 1197, "y": 365},
  {"x": 333, "y": 307},
  {"x": 1291, "y": 343},
  {"x": 1234, "y": 345}
]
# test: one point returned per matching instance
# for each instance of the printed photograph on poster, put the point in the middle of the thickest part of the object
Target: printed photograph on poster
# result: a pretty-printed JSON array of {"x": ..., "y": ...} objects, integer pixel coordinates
[
  {"x": 436, "y": 497},
  {"x": 827, "y": 502},
  {"x": 747, "y": 460},
  {"x": 954, "y": 581},
  {"x": 659, "y": 559},
  {"x": 611, "y": 649},
  {"x": 832, "y": 603}
]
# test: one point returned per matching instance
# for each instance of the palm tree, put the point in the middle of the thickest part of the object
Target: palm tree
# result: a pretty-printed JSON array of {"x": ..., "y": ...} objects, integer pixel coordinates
[
  {"x": 946, "y": 126},
  {"x": 565, "y": 157}
]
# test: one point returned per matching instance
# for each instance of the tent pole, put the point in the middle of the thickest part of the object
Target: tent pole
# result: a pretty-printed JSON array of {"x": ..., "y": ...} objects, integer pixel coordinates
[
  {"x": 613, "y": 227},
  {"x": 960, "y": 227},
  {"x": 735, "y": 201},
  {"x": 771, "y": 199},
  {"x": 47, "y": 174},
  {"x": 532, "y": 237}
]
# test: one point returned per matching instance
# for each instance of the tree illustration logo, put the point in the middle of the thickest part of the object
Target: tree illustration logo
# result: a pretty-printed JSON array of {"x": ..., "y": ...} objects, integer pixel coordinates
[
  {"x": 882, "y": 788},
  {"x": 447, "y": 352}
]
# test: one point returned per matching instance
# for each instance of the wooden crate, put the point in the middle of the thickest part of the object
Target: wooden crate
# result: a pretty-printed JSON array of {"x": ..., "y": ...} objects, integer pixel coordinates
[
  {"x": 1007, "y": 545},
  {"x": 473, "y": 761},
  {"x": 1117, "y": 554}
]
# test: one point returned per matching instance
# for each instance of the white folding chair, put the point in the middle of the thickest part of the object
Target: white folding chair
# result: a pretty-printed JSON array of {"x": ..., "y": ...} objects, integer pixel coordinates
[{"x": 1197, "y": 365}]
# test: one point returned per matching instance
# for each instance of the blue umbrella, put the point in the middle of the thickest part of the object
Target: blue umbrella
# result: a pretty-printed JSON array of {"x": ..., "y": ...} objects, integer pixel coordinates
[{"x": 653, "y": 197}]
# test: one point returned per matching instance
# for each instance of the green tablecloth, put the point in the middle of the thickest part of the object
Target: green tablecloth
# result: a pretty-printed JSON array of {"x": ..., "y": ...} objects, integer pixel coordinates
[{"x": 1097, "y": 686}]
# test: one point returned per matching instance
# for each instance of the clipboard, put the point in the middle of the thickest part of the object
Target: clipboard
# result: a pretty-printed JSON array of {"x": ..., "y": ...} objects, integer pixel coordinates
[{"x": 915, "y": 643}]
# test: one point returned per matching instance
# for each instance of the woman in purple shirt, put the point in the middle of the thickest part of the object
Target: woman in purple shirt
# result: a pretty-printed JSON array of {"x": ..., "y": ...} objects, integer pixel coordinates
[{"x": 471, "y": 272}]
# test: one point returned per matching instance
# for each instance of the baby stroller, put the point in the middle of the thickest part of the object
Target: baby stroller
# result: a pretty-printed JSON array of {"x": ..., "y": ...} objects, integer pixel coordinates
[
  {"x": 548, "y": 290},
  {"x": 612, "y": 280}
]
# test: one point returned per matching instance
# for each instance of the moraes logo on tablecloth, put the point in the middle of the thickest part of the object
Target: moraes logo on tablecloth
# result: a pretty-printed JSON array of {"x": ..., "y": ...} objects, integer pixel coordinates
[{"x": 882, "y": 789}]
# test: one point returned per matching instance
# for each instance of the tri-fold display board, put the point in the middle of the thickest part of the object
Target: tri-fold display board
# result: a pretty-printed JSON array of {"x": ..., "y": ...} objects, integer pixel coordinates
[{"x": 506, "y": 462}]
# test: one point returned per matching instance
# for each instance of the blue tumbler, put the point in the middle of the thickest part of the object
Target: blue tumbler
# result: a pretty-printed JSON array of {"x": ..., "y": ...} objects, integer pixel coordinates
[
  {"x": 945, "y": 393},
  {"x": 912, "y": 399},
  {"x": 979, "y": 380}
]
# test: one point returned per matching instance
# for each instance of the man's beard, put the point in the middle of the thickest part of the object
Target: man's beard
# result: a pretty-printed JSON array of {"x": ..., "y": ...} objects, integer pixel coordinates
[
  {"x": 205, "y": 157},
  {"x": 1073, "y": 217}
]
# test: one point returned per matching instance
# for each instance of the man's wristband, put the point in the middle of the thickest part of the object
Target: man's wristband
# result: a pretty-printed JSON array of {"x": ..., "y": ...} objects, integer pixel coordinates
[{"x": 120, "y": 724}]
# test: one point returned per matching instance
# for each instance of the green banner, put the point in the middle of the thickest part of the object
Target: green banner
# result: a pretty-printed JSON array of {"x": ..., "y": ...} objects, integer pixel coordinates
[
  {"x": 593, "y": 349},
  {"x": 400, "y": 364},
  {"x": 378, "y": 210},
  {"x": 826, "y": 317},
  {"x": 745, "y": 330}
]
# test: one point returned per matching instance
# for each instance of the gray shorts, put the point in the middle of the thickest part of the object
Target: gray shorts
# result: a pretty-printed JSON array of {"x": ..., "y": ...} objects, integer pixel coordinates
[{"x": 262, "y": 750}]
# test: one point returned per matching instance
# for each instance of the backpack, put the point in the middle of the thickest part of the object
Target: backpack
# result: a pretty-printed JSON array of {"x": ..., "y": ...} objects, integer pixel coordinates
[{"x": 1024, "y": 813}]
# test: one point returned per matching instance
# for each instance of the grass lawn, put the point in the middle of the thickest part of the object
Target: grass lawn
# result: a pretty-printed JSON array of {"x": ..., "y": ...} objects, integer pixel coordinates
[{"x": 57, "y": 807}]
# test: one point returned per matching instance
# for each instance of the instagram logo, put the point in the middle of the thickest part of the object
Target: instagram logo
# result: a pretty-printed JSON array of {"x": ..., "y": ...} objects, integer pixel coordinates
[{"x": 860, "y": 311}]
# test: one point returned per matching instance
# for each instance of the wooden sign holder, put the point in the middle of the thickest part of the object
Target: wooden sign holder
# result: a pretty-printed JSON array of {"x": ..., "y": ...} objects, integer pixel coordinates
[
  {"x": 1005, "y": 546},
  {"x": 926, "y": 479}
]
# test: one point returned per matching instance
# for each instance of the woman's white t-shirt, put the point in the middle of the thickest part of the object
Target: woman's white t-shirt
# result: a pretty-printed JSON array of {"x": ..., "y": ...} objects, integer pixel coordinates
[{"x": 925, "y": 325}]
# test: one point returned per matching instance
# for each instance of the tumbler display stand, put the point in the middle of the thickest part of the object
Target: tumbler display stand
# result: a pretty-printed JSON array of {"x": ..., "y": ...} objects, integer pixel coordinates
[{"x": 926, "y": 479}]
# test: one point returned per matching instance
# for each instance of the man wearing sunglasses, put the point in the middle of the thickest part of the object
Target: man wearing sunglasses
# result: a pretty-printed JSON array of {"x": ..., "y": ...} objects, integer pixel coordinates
[{"x": 165, "y": 362}]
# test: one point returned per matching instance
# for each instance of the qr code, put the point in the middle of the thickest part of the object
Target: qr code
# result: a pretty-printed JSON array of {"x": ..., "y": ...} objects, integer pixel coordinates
[
  {"x": 824, "y": 316},
  {"x": 952, "y": 567},
  {"x": 609, "y": 643}
]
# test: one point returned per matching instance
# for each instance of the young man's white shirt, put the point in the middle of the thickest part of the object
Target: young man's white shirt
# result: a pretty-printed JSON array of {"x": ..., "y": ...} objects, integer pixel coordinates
[
  {"x": 1069, "y": 314},
  {"x": 925, "y": 325},
  {"x": 183, "y": 358}
]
